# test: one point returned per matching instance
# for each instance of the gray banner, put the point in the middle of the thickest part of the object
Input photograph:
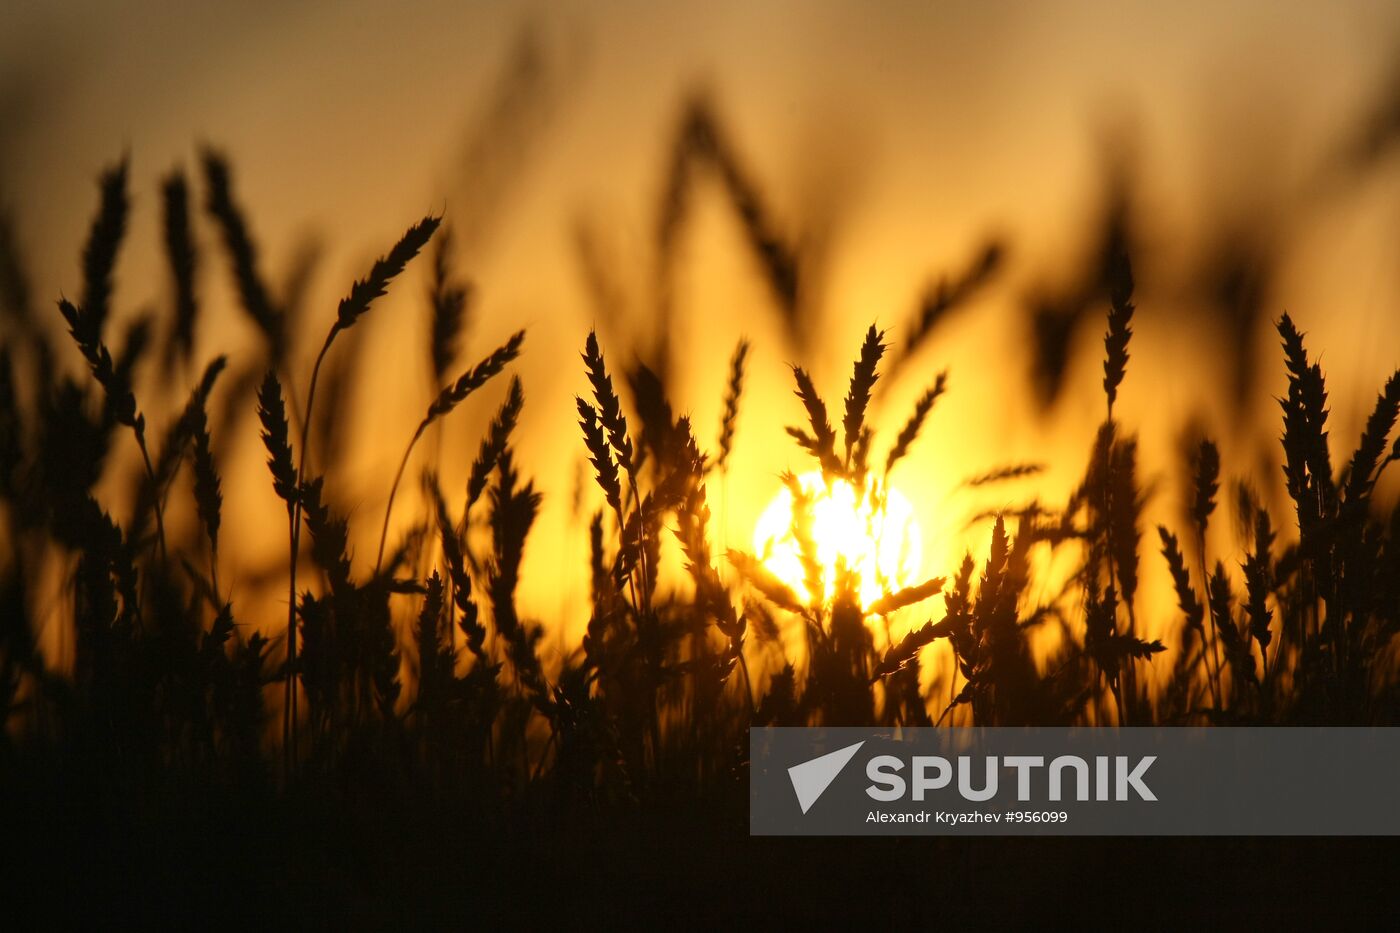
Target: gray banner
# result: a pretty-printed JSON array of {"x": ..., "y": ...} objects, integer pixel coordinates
[{"x": 1106, "y": 782}]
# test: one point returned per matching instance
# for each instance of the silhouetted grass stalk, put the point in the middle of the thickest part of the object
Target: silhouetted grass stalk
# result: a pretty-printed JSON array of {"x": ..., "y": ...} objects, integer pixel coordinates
[{"x": 352, "y": 307}]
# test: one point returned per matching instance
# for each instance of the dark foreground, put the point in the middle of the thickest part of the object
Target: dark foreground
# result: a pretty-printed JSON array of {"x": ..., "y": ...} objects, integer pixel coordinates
[{"x": 372, "y": 853}]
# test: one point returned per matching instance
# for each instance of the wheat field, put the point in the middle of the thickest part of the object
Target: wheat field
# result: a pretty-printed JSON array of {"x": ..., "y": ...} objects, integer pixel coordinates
[{"x": 343, "y": 698}]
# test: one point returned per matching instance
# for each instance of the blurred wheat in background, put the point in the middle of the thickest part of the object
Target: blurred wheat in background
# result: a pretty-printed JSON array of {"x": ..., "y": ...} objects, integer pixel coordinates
[{"x": 638, "y": 433}]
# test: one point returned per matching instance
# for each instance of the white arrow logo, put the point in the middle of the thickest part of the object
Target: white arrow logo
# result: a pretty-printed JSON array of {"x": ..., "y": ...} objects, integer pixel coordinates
[{"x": 811, "y": 778}]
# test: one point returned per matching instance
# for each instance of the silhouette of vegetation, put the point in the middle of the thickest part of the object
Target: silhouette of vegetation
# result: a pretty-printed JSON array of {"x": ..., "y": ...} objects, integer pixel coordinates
[{"x": 653, "y": 704}]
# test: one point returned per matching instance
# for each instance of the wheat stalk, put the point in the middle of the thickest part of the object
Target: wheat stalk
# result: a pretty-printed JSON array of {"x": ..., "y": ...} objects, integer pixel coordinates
[
  {"x": 494, "y": 444},
  {"x": 183, "y": 260},
  {"x": 858, "y": 396},
  {"x": 733, "y": 390},
  {"x": 910, "y": 432},
  {"x": 352, "y": 307},
  {"x": 251, "y": 287},
  {"x": 447, "y": 400},
  {"x": 1120, "y": 316},
  {"x": 821, "y": 443}
]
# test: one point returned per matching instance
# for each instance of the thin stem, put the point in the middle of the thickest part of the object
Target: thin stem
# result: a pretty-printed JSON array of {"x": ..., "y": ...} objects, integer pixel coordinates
[
  {"x": 1125, "y": 670},
  {"x": 641, "y": 539},
  {"x": 653, "y": 678},
  {"x": 1116, "y": 690},
  {"x": 748, "y": 683},
  {"x": 1212, "y": 644},
  {"x": 151, "y": 476},
  {"x": 953, "y": 680},
  {"x": 214, "y": 575},
  {"x": 290, "y": 724},
  {"x": 393, "y": 491},
  {"x": 291, "y": 653}
]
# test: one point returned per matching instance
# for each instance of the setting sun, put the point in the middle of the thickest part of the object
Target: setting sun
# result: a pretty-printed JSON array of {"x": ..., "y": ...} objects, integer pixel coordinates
[{"x": 879, "y": 540}]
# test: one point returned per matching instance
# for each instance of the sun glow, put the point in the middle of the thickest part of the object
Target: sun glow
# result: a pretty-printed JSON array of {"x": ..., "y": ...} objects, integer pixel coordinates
[{"x": 871, "y": 532}]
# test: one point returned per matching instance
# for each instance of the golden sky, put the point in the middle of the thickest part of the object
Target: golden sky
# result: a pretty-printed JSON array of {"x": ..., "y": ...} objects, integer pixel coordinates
[{"x": 903, "y": 133}]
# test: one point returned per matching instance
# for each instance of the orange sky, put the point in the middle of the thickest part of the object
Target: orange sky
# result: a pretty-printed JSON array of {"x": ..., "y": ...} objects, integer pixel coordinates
[{"x": 909, "y": 132}]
